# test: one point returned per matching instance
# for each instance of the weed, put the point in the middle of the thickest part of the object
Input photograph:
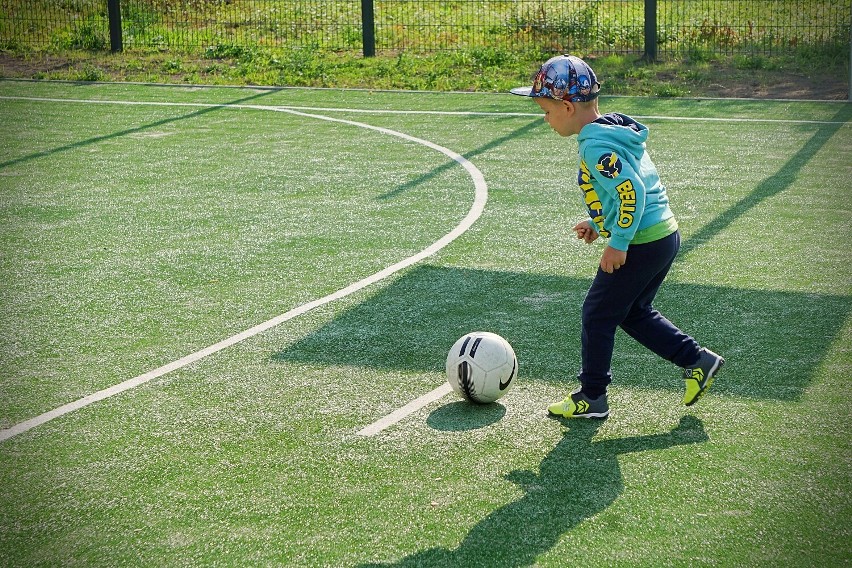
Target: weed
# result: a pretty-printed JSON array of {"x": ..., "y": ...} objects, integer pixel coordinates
[
  {"x": 692, "y": 75},
  {"x": 490, "y": 56},
  {"x": 10, "y": 44},
  {"x": 89, "y": 36},
  {"x": 700, "y": 53},
  {"x": 172, "y": 66},
  {"x": 669, "y": 90},
  {"x": 825, "y": 54},
  {"x": 750, "y": 62},
  {"x": 228, "y": 51},
  {"x": 89, "y": 72},
  {"x": 134, "y": 65}
]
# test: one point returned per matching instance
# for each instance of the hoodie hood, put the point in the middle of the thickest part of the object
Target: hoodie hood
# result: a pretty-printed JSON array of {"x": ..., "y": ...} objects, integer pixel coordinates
[{"x": 616, "y": 129}]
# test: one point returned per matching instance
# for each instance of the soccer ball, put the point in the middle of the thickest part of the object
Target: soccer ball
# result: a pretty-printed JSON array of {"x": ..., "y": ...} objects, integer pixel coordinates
[{"x": 481, "y": 366}]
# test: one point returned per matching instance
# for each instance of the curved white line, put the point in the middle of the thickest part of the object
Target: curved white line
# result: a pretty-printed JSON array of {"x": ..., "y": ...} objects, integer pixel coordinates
[{"x": 480, "y": 198}]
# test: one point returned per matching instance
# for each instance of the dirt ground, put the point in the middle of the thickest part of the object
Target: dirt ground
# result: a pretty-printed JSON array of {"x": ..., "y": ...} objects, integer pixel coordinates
[{"x": 782, "y": 85}]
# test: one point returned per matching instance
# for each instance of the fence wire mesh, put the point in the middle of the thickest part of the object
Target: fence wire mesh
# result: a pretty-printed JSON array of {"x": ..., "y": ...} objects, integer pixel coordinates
[{"x": 587, "y": 26}]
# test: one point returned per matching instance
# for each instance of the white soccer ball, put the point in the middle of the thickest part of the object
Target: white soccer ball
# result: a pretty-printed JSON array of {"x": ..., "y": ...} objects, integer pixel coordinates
[{"x": 481, "y": 366}]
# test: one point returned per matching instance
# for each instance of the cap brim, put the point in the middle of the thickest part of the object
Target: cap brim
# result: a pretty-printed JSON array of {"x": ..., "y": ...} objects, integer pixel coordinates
[{"x": 522, "y": 91}]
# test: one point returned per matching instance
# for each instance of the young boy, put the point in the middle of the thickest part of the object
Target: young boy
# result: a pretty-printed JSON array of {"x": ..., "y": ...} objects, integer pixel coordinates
[{"x": 628, "y": 205}]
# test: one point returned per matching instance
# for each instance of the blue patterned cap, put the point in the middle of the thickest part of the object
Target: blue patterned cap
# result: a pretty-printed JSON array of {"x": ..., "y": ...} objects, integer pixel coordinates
[{"x": 565, "y": 78}]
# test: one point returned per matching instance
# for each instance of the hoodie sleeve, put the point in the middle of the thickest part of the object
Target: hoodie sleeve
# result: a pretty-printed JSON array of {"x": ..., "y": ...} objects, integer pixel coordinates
[{"x": 623, "y": 198}]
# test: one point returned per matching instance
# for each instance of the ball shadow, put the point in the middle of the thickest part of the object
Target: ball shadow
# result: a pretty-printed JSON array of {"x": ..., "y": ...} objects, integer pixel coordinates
[{"x": 461, "y": 416}]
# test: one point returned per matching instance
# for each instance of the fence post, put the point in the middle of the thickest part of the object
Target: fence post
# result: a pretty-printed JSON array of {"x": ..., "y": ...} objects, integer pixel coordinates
[
  {"x": 849, "y": 95},
  {"x": 114, "y": 10},
  {"x": 650, "y": 30},
  {"x": 368, "y": 25}
]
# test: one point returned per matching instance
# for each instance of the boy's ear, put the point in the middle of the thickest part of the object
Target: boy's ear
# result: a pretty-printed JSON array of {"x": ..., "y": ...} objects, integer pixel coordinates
[{"x": 569, "y": 107}]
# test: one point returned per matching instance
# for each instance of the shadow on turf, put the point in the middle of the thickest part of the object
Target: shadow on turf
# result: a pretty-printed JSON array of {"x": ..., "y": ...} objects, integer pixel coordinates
[
  {"x": 461, "y": 416},
  {"x": 126, "y": 132},
  {"x": 773, "y": 341},
  {"x": 578, "y": 479},
  {"x": 774, "y": 184},
  {"x": 467, "y": 155}
]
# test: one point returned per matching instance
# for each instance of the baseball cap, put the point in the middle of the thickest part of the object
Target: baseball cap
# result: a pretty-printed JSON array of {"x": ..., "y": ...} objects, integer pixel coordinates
[{"x": 563, "y": 77}]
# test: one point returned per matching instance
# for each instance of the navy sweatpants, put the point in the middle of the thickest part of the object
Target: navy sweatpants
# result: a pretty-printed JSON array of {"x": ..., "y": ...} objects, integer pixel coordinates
[{"x": 625, "y": 298}]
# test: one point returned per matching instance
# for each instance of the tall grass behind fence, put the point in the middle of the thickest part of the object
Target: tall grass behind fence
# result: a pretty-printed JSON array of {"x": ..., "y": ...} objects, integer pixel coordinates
[
  {"x": 335, "y": 26},
  {"x": 709, "y": 27},
  {"x": 727, "y": 27},
  {"x": 614, "y": 26},
  {"x": 80, "y": 24}
]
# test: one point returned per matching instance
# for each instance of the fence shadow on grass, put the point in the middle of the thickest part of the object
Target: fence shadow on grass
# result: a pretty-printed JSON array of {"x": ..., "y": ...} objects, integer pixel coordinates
[
  {"x": 578, "y": 479},
  {"x": 467, "y": 155},
  {"x": 127, "y": 131},
  {"x": 774, "y": 184},
  {"x": 773, "y": 340}
]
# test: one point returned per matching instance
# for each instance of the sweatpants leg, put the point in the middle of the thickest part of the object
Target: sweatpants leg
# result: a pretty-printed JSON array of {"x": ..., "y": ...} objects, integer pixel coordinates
[{"x": 625, "y": 298}]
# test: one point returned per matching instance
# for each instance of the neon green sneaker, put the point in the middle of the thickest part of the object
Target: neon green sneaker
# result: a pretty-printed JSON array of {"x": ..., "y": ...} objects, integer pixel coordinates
[
  {"x": 699, "y": 377},
  {"x": 578, "y": 405}
]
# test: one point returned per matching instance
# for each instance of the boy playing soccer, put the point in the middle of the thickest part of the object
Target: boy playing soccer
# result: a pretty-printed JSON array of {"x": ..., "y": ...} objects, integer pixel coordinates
[{"x": 628, "y": 205}]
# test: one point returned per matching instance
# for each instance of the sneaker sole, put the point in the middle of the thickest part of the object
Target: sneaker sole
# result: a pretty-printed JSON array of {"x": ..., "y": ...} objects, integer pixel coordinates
[
  {"x": 713, "y": 370},
  {"x": 587, "y": 415}
]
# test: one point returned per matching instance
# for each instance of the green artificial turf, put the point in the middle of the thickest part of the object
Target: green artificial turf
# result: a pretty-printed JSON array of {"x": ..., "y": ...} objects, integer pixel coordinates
[{"x": 133, "y": 235}]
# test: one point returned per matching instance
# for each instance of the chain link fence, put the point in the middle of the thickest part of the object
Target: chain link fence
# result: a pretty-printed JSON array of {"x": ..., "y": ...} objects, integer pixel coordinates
[{"x": 762, "y": 27}]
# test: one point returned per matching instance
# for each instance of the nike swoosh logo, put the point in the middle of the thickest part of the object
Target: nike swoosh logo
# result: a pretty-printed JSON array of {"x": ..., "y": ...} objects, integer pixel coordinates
[{"x": 504, "y": 386}]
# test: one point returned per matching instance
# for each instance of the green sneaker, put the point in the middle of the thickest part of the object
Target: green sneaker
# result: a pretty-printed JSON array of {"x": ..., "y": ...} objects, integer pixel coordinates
[
  {"x": 699, "y": 377},
  {"x": 578, "y": 405}
]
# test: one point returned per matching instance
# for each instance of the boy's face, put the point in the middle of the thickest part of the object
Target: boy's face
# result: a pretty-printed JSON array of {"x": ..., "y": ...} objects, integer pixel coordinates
[{"x": 560, "y": 115}]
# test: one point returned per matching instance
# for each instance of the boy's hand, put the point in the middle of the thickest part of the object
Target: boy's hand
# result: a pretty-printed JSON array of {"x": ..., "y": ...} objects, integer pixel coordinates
[
  {"x": 612, "y": 259},
  {"x": 585, "y": 232}
]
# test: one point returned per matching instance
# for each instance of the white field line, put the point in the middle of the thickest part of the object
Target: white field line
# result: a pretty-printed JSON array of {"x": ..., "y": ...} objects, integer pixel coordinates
[
  {"x": 416, "y": 112},
  {"x": 480, "y": 198},
  {"x": 404, "y": 411}
]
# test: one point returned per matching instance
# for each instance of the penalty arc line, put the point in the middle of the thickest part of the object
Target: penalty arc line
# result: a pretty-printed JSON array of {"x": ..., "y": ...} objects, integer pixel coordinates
[{"x": 480, "y": 198}]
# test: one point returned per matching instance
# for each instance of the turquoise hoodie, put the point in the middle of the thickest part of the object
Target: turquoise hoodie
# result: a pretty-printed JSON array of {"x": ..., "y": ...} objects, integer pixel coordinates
[{"x": 621, "y": 187}]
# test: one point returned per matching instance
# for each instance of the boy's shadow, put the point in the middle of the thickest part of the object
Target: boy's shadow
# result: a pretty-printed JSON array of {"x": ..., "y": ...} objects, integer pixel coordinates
[{"x": 577, "y": 480}]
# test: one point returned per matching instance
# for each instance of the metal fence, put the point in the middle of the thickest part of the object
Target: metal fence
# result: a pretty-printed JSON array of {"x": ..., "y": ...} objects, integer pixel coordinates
[{"x": 390, "y": 26}]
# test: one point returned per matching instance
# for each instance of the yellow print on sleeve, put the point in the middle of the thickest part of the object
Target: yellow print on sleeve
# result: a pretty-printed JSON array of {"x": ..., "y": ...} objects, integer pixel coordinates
[
  {"x": 590, "y": 197},
  {"x": 627, "y": 196}
]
